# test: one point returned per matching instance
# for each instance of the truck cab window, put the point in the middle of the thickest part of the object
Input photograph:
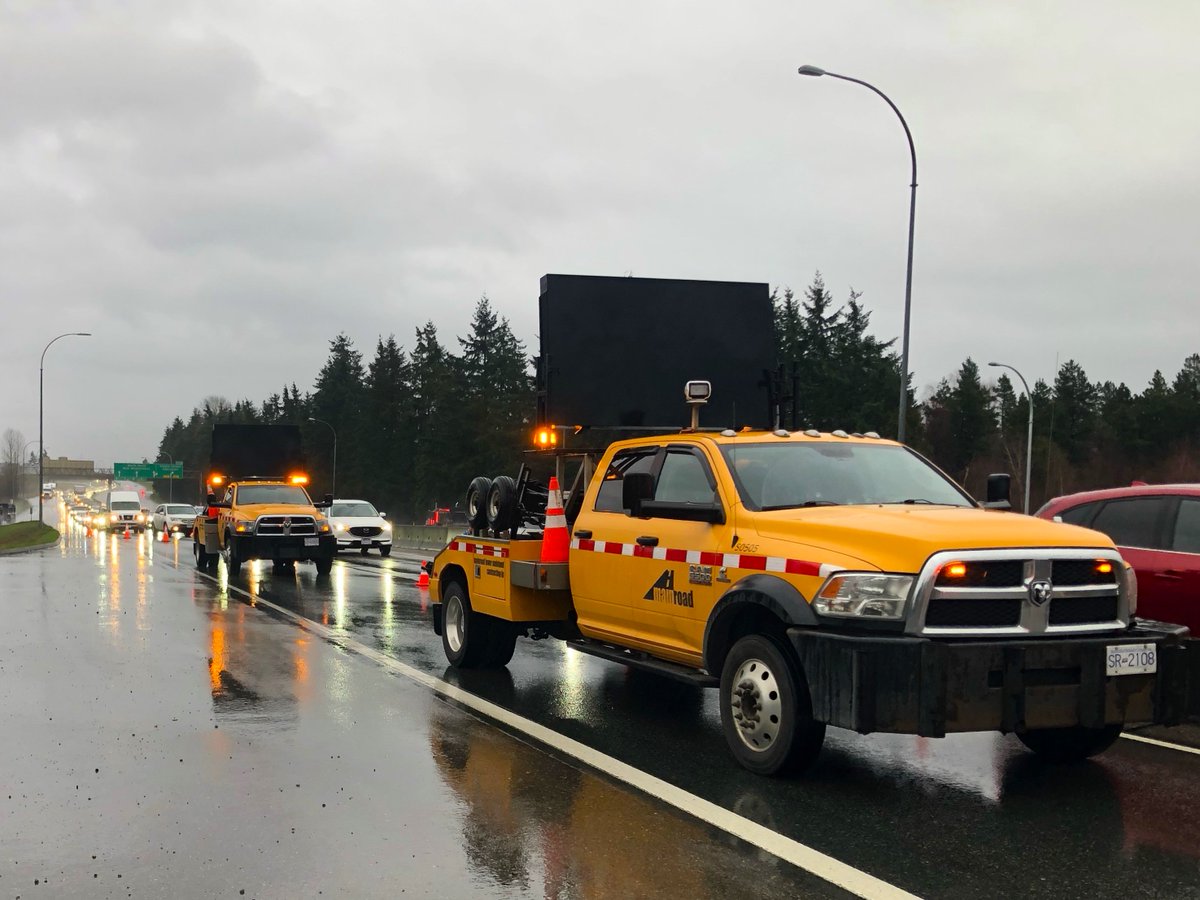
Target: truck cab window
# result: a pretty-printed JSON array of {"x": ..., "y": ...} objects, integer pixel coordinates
[
  {"x": 684, "y": 479},
  {"x": 609, "y": 497}
]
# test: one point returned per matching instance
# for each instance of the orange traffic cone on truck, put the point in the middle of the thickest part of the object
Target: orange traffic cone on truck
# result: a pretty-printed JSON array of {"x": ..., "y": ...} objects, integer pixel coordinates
[{"x": 555, "y": 540}]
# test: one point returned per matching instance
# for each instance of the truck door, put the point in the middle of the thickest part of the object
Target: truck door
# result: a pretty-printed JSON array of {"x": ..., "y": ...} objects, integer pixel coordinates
[
  {"x": 600, "y": 577},
  {"x": 677, "y": 582}
]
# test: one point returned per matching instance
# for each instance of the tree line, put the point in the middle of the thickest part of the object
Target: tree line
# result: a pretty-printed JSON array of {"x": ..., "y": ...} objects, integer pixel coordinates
[{"x": 414, "y": 426}]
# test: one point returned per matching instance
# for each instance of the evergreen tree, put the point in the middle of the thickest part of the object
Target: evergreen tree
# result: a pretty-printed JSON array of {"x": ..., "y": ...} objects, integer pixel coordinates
[
  {"x": 337, "y": 400},
  {"x": 1075, "y": 412}
]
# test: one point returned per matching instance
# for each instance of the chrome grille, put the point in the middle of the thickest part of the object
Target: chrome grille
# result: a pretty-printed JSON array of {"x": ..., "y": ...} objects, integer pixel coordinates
[
  {"x": 1021, "y": 591},
  {"x": 275, "y": 526}
]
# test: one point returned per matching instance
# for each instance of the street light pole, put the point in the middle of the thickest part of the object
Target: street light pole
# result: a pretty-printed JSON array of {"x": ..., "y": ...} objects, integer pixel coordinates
[
  {"x": 170, "y": 481},
  {"x": 1029, "y": 435},
  {"x": 912, "y": 219},
  {"x": 333, "y": 486},
  {"x": 41, "y": 395}
]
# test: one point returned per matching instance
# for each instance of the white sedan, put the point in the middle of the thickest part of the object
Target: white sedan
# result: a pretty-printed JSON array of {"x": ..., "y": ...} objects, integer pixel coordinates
[
  {"x": 358, "y": 524},
  {"x": 174, "y": 517}
]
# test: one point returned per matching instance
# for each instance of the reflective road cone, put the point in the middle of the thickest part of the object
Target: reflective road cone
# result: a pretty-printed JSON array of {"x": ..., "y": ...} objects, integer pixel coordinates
[
  {"x": 126, "y": 535},
  {"x": 165, "y": 536},
  {"x": 423, "y": 578},
  {"x": 555, "y": 540}
]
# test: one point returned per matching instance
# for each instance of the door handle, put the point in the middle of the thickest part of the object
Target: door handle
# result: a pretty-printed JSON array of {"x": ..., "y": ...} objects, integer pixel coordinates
[
  {"x": 583, "y": 534},
  {"x": 648, "y": 540}
]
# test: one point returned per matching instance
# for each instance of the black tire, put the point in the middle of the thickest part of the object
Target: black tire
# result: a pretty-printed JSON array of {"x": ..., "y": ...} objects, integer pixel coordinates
[
  {"x": 466, "y": 635},
  {"x": 200, "y": 554},
  {"x": 477, "y": 495},
  {"x": 233, "y": 562},
  {"x": 766, "y": 710},
  {"x": 324, "y": 564},
  {"x": 364, "y": 550},
  {"x": 385, "y": 550},
  {"x": 502, "y": 643},
  {"x": 1067, "y": 745},
  {"x": 502, "y": 504}
]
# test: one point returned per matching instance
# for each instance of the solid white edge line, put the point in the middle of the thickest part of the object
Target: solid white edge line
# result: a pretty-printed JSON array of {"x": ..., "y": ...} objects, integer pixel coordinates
[
  {"x": 1157, "y": 743},
  {"x": 825, "y": 867}
]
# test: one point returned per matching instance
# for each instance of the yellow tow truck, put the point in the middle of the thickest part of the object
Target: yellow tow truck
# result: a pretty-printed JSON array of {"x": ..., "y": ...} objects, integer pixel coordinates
[
  {"x": 260, "y": 516},
  {"x": 822, "y": 579}
]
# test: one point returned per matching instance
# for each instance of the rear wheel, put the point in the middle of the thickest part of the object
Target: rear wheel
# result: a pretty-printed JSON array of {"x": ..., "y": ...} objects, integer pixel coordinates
[
  {"x": 201, "y": 556},
  {"x": 766, "y": 711},
  {"x": 1065, "y": 745},
  {"x": 465, "y": 633},
  {"x": 502, "y": 643}
]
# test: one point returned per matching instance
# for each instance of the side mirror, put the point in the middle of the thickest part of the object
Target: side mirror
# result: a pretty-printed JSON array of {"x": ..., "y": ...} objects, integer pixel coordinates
[
  {"x": 999, "y": 490},
  {"x": 328, "y": 500},
  {"x": 383, "y": 515},
  {"x": 636, "y": 487}
]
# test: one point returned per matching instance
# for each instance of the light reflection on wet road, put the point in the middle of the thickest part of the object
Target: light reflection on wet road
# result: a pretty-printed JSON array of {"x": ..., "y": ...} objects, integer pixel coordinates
[{"x": 972, "y": 815}]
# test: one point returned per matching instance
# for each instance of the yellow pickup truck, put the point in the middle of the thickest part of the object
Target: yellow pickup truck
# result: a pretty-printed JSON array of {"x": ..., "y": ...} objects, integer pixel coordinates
[{"x": 823, "y": 579}]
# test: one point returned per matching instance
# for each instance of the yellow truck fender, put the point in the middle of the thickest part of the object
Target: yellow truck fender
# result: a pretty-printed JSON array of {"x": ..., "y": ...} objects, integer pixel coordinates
[{"x": 758, "y": 602}]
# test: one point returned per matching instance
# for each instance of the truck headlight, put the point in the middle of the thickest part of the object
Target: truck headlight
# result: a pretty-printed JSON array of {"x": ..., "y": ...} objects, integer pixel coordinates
[
  {"x": 244, "y": 527},
  {"x": 865, "y": 595},
  {"x": 1130, "y": 578},
  {"x": 324, "y": 528},
  {"x": 113, "y": 517}
]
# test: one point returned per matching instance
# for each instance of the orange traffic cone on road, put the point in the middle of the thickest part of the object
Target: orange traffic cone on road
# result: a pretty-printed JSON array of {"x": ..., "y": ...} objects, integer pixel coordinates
[
  {"x": 423, "y": 578},
  {"x": 165, "y": 536},
  {"x": 555, "y": 540},
  {"x": 126, "y": 535}
]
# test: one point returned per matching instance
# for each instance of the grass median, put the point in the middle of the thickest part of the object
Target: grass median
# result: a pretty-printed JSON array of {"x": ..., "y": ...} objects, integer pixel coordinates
[{"x": 26, "y": 534}]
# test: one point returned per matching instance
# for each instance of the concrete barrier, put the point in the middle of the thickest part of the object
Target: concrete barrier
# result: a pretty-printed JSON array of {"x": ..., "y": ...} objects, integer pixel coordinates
[{"x": 423, "y": 537}]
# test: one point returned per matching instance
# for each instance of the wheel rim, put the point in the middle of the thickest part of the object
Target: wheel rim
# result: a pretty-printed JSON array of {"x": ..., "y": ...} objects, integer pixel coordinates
[
  {"x": 493, "y": 506},
  {"x": 455, "y": 624},
  {"x": 756, "y": 705}
]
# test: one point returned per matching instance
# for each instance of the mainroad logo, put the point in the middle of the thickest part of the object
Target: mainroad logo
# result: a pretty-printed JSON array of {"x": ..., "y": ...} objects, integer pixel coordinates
[{"x": 663, "y": 591}]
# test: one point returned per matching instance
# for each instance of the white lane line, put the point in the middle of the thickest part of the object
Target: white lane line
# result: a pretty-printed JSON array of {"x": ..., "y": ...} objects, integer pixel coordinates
[
  {"x": 1166, "y": 744},
  {"x": 838, "y": 873}
]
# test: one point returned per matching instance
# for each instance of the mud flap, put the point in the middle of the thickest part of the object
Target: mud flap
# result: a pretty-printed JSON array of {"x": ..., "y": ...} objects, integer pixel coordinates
[
  {"x": 435, "y": 613},
  {"x": 1191, "y": 669}
]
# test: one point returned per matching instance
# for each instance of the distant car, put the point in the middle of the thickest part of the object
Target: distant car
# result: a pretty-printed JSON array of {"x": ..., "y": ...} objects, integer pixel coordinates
[
  {"x": 1157, "y": 529},
  {"x": 174, "y": 517},
  {"x": 358, "y": 524}
]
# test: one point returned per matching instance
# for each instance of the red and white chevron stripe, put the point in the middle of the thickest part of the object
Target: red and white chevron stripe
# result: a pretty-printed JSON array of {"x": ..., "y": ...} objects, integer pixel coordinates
[
  {"x": 479, "y": 549},
  {"x": 708, "y": 558}
]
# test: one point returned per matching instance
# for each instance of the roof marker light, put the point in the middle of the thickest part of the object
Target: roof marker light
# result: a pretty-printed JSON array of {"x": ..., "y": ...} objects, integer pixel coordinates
[
  {"x": 839, "y": 433},
  {"x": 812, "y": 432},
  {"x": 874, "y": 435}
]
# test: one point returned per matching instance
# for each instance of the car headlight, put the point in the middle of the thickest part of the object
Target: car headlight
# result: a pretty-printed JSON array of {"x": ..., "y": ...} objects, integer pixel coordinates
[
  {"x": 341, "y": 526},
  {"x": 864, "y": 595},
  {"x": 387, "y": 527},
  {"x": 113, "y": 517},
  {"x": 141, "y": 518},
  {"x": 97, "y": 520}
]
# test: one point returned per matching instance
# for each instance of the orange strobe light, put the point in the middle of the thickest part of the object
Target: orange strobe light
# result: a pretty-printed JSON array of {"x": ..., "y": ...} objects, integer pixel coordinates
[
  {"x": 546, "y": 437},
  {"x": 299, "y": 479},
  {"x": 956, "y": 570},
  {"x": 1103, "y": 566}
]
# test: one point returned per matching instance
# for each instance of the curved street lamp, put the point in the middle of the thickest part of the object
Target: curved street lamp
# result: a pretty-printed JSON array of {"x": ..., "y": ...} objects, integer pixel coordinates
[
  {"x": 1029, "y": 436},
  {"x": 333, "y": 486},
  {"x": 816, "y": 72},
  {"x": 41, "y": 394}
]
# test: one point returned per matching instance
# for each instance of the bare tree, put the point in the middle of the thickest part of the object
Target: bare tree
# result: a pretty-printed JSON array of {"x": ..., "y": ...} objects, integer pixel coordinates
[{"x": 11, "y": 446}]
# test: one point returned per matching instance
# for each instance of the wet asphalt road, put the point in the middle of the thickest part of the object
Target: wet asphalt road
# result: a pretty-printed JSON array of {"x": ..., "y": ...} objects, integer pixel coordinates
[{"x": 965, "y": 816}]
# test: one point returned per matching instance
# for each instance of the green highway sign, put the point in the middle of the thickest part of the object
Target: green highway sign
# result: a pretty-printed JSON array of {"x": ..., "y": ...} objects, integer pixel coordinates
[{"x": 142, "y": 471}]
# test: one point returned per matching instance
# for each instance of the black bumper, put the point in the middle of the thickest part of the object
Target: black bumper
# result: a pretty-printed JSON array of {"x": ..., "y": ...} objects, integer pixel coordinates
[
  {"x": 279, "y": 547},
  {"x": 914, "y": 685}
]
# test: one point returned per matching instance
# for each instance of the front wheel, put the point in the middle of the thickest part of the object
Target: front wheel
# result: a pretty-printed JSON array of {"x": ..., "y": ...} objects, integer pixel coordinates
[
  {"x": 766, "y": 711},
  {"x": 324, "y": 564},
  {"x": 233, "y": 562},
  {"x": 201, "y": 556},
  {"x": 1065, "y": 745},
  {"x": 385, "y": 550}
]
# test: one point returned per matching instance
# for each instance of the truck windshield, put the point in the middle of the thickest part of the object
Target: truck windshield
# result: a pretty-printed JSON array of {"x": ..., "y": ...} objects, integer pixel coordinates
[
  {"x": 792, "y": 475},
  {"x": 118, "y": 505},
  {"x": 287, "y": 494}
]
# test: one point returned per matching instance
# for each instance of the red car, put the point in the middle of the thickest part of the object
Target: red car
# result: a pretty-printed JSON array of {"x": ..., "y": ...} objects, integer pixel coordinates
[{"x": 1157, "y": 529}]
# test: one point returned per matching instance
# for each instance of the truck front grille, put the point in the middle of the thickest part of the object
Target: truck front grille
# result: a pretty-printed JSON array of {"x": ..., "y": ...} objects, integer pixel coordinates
[
  {"x": 1019, "y": 592},
  {"x": 285, "y": 525}
]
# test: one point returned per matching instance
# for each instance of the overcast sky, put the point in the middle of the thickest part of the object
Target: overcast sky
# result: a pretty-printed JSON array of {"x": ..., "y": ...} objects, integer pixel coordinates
[{"x": 216, "y": 189}]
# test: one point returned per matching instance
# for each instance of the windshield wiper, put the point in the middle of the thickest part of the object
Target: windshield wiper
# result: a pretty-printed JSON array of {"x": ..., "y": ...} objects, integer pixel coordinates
[
  {"x": 804, "y": 505},
  {"x": 913, "y": 500}
]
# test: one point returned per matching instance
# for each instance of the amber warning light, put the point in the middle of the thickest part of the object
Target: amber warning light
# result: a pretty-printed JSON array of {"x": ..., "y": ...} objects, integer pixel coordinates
[
  {"x": 299, "y": 479},
  {"x": 546, "y": 437},
  {"x": 956, "y": 570},
  {"x": 215, "y": 480},
  {"x": 1103, "y": 566}
]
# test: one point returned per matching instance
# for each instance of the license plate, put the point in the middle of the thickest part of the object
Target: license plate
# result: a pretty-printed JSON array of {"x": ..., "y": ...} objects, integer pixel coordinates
[
  {"x": 312, "y": 542},
  {"x": 1131, "y": 659},
  {"x": 366, "y": 541}
]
